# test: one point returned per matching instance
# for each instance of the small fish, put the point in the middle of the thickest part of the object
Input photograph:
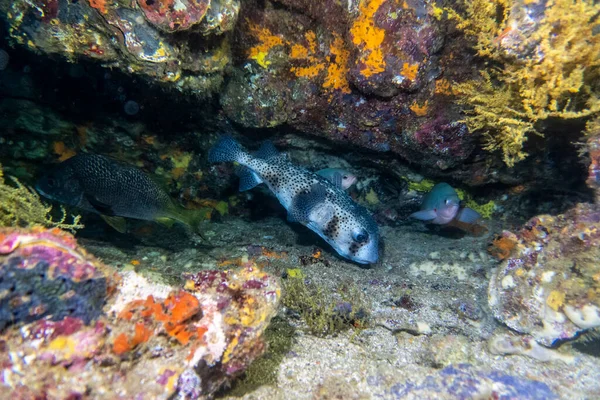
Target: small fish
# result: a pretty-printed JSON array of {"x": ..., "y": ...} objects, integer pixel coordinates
[
  {"x": 338, "y": 176},
  {"x": 441, "y": 206},
  {"x": 101, "y": 185},
  {"x": 309, "y": 199}
]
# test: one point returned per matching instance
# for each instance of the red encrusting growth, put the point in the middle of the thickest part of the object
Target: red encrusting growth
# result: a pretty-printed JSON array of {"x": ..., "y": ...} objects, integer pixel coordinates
[{"x": 174, "y": 313}]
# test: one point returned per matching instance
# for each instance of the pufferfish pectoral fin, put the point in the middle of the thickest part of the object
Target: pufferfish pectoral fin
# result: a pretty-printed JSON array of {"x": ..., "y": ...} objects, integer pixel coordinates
[
  {"x": 305, "y": 203},
  {"x": 248, "y": 178}
]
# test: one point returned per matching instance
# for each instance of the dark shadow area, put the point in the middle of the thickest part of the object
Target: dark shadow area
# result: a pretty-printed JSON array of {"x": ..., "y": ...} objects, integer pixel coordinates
[{"x": 589, "y": 346}]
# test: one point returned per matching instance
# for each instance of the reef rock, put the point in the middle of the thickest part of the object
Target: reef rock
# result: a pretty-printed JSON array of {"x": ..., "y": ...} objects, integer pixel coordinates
[
  {"x": 177, "y": 43},
  {"x": 73, "y": 327},
  {"x": 374, "y": 74},
  {"x": 462, "y": 381},
  {"x": 549, "y": 286}
]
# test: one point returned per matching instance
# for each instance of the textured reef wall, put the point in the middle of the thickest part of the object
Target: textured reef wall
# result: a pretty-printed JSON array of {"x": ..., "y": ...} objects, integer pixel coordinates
[
  {"x": 149, "y": 38},
  {"x": 434, "y": 86},
  {"x": 78, "y": 328},
  {"x": 373, "y": 74}
]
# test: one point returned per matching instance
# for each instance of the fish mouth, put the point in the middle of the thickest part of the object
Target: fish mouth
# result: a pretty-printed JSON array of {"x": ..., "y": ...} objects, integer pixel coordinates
[{"x": 370, "y": 259}]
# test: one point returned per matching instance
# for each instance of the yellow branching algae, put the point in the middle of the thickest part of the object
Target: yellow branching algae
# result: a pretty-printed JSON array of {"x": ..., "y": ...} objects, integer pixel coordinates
[
  {"x": 495, "y": 113},
  {"x": 369, "y": 38},
  {"x": 553, "y": 72},
  {"x": 22, "y": 207}
]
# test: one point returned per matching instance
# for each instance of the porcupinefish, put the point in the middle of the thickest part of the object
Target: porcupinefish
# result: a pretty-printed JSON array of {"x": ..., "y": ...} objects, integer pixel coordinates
[
  {"x": 104, "y": 186},
  {"x": 339, "y": 176},
  {"x": 309, "y": 198},
  {"x": 441, "y": 206}
]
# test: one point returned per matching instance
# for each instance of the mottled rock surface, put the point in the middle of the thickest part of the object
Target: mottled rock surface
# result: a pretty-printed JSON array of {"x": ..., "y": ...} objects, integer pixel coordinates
[
  {"x": 548, "y": 286},
  {"x": 84, "y": 330},
  {"x": 178, "y": 43}
]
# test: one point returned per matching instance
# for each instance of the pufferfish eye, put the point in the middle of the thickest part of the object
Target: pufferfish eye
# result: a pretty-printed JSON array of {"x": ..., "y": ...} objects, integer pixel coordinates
[{"x": 361, "y": 237}]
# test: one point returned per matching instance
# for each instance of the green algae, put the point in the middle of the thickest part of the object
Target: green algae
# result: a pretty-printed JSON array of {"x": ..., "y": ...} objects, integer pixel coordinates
[
  {"x": 279, "y": 337},
  {"x": 325, "y": 312}
]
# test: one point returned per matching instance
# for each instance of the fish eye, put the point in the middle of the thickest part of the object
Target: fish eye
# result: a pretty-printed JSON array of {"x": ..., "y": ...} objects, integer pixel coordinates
[
  {"x": 345, "y": 177},
  {"x": 447, "y": 201},
  {"x": 51, "y": 182},
  {"x": 361, "y": 237}
]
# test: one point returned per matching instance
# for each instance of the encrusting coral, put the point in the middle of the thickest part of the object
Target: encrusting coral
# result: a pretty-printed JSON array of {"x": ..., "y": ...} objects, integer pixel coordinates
[
  {"x": 78, "y": 326},
  {"x": 22, "y": 207},
  {"x": 548, "y": 284},
  {"x": 546, "y": 59}
]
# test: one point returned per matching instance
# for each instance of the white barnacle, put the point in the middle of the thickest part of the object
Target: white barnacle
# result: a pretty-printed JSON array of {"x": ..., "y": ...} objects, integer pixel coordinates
[
  {"x": 508, "y": 282},
  {"x": 179, "y": 6},
  {"x": 398, "y": 79}
]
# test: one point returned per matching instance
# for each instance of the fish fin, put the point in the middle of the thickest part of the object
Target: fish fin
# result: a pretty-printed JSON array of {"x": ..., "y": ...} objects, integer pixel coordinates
[
  {"x": 191, "y": 218},
  {"x": 267, "y": 150},
  {"x": 102, "y": 208},
  {"x": 118, "y": 223},
  {"x": 304, "y": 203},
  {"x": 248, "y": 178},
  {"x": 472, "y": 229},
  {"x": 336, "y": 179},
  {"x": 424, "y": 215},
  {"x": 333, "y": 177},
  {"x": 165, "y": 221},
  {"x": 468, "y": 215},
  {"x": 226, "y": 149}
]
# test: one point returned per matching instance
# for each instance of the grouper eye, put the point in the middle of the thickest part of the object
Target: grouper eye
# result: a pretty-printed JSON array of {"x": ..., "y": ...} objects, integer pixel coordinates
[{"x": 361, "y": 237}]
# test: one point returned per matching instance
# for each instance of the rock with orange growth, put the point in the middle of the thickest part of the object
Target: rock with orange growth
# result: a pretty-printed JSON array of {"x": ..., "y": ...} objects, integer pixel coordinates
[
  {"x": 396, "y": 42},
  {"x": 142, "y": 338},
  {"x": 363, "y": 74},
  {"x": 549, "y": 285}
]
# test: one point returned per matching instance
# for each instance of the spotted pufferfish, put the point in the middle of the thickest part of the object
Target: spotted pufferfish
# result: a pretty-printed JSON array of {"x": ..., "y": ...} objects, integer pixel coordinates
[{"x": 310, "y": 199}]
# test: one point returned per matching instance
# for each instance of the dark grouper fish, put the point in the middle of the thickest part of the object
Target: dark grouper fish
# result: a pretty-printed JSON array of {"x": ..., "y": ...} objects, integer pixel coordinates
[
  {"x": 98, "y": 184},
  {"x": 309, "y": 199}
]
